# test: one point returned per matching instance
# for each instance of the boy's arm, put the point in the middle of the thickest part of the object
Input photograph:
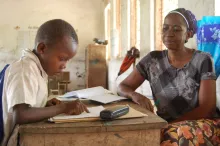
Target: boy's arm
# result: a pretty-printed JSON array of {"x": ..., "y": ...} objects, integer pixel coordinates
[{"x": 23, "y": 113}]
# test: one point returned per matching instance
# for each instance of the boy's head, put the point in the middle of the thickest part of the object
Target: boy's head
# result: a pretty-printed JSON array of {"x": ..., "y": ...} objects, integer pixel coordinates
[{"x": 56, "y": 42}]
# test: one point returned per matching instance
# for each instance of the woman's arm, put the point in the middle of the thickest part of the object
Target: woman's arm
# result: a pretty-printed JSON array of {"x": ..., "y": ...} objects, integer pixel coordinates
[
  {"x": 128, "y": 86},
  {"x": 207, "y": 102}
]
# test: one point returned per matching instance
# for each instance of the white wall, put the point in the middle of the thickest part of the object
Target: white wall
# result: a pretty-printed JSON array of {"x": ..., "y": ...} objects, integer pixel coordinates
[
  {"x": 21, "y": 18},
  {"x": 217, "y": 10},
  {"x": 199, "y": 7},
  {"x": 169, "y": 5}
]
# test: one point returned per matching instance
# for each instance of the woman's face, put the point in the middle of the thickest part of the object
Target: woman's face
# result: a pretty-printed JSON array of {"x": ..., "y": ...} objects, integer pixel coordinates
[{"x": 174, "y": 32}]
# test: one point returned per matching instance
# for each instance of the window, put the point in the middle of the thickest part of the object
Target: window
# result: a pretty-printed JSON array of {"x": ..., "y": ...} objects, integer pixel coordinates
[
  {"x": 117, "y": 11},
  {"x": 107, "y": 29},
  {"x": 123, "y": 24},
  {"x": 158, "y": 24},
  {"x": 118, "y": 25},
  {"x": 162, "y": 8},
  {"x": 113, "y": 28},
  {"x": 134, "y": 24},
  {"x": 217, "y": 10}
]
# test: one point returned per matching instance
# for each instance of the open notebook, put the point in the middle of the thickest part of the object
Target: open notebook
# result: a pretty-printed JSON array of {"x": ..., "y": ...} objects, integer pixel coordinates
[
  {"x": 98, "y": 94},
  {"x": 93, "y": 115}
]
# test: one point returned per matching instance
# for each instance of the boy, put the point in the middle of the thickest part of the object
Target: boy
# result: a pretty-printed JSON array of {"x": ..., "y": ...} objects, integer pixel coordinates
[{"x": 25, "y": 82}]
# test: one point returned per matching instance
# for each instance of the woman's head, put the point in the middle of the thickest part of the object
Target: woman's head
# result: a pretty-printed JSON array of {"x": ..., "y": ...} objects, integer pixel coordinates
[
  {"x": 56, "y": 42},
  {"x": 179, "y": 25}
]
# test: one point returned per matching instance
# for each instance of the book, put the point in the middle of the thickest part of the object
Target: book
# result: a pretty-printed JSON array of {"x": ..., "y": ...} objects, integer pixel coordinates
[
  {"x": 98, "y": 94},
  {"x": 93, "y": 115}
]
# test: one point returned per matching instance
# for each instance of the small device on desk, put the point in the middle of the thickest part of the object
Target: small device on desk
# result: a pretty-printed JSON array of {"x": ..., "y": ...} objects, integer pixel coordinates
[{"x": 114, "y": 112}]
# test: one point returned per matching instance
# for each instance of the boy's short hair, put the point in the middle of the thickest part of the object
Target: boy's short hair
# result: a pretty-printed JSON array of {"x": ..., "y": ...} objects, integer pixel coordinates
[{"x": 53, "y": 30}]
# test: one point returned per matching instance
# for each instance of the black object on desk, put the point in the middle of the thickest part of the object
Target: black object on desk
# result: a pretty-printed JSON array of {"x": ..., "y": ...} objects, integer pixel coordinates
[{"x": 114, "y": 112}]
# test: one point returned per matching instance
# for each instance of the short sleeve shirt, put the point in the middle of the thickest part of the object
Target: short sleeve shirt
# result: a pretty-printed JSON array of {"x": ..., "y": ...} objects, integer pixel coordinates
[
  {"x": 25, "y": 82},
  {"x": 175, "y": 90}
]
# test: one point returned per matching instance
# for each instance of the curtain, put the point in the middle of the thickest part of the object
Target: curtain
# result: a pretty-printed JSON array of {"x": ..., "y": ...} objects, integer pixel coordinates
[{"x": 208, "y": 38}]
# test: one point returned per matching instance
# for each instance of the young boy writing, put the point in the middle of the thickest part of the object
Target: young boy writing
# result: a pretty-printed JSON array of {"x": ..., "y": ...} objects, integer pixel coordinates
[{"x": 25, "y": 81}]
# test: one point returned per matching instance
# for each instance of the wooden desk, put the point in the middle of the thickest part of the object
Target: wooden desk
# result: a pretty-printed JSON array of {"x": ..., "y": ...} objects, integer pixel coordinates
[{"x": 130, "y": 132}]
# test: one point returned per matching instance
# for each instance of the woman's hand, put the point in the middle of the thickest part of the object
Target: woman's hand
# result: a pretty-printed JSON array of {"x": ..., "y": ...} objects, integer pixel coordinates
[
  {"x": 142, "y": 101},
  {"x": 128, "y": 86}
]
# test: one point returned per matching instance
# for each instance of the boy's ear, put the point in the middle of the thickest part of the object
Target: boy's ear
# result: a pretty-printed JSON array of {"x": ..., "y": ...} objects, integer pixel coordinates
[{"x": 41, "y": 48}]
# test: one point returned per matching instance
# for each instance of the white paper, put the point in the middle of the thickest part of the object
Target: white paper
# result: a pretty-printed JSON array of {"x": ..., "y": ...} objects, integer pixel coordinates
[
  {"x": 106, "y": 98},
  {"x": 98, "y": 94},
  {"x": 85, "y": 93},
  {"x": 89, "y": 92},
  {"x": 93, "y": 113},
  {"x": 68, "y": 99}
]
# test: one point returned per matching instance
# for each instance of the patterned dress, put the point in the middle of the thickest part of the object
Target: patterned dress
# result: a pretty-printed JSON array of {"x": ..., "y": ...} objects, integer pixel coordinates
[{"x": 175, "y": 92}]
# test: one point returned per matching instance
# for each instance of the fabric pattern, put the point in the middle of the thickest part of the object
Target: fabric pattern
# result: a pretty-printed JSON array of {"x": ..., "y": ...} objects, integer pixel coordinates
[
  {"x": 175, "y": 91},
  {"x": 204, "y": 132},
  {"x": 208, "y": 38}
]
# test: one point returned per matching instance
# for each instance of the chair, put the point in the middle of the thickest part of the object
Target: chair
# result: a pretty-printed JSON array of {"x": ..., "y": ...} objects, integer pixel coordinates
[{"x": 58, "y": 85}]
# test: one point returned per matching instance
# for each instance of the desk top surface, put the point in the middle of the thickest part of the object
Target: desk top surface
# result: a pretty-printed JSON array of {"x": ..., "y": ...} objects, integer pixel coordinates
[{"x": 152, "y": 121}]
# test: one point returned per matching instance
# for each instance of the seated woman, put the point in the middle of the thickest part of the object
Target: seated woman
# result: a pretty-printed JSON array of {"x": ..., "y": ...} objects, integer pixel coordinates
[{"x": 183, "y": 85}]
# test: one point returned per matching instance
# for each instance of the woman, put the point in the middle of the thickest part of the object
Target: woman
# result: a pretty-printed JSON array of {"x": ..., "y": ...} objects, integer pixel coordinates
[{"x": 182, "y": 81}]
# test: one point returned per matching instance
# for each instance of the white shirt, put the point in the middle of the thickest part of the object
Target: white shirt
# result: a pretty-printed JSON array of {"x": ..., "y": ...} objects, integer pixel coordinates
[{"x": 25, "y": 82}]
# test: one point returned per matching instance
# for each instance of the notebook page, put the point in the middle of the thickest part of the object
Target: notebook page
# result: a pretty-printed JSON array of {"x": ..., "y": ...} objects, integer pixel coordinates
[
  {"x": 106, "y": 98},
  {"x": 93, "y": 112},
  {"x": 85, "y": 93},
  {"x": 89, "y": 92}
]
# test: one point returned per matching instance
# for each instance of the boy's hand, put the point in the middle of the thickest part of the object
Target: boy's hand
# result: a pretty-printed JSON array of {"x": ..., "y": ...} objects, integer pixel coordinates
[
  {"x": 53, "y": 102},
  {"x": 75, "y": 108}
]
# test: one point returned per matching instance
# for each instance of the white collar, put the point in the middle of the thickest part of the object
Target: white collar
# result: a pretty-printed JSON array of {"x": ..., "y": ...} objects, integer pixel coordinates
[{"x": 29, "y": 53}]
